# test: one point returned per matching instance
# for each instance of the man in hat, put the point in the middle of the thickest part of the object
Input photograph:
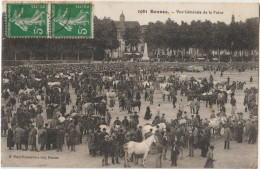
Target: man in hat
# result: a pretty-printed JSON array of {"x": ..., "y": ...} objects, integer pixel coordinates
[
  {"x": 136, "y": 118},
  {"x": 33, "y": 135},
  {"x": 210, "y": 158},
  {"x": 125, "y": 122},
  {"x": 42, "y": 137},
  {"x": 252, "y": 132},
  {"x": 159, "y": 149},
  {"x": 139, "y": 136},
  {"x": 174, "y": 100},
  {"x": 60, "y": 138},
  {"x": 146, "y": 135},
  {"x": 165, "y": 145},
  {"x": 108, "y": 117},
  {"x": 117, "y": 121},
  {"x": 191, "y": 144},
  {"x": 18, "y": 136},
  {"x": 227, "y": 136},
  {"x": 174, "y": 154},
  {"x": 162, "y": 120},
  {"x": 158, "y": 110},
  {"x": 101, "y": 137},
  {"x": 91, "y": 143},
  {"x": 105, "y": 146},
  {"x": 114, "y": 148}
]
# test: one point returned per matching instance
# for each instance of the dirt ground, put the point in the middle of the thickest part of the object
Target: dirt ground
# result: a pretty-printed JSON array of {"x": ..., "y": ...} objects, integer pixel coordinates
[{"x": 241, "y": 155}]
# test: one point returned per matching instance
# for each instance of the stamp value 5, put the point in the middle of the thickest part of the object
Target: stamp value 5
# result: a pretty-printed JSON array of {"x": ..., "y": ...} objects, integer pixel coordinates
[
  {"x": 71, "y": 20},
  {"x": 26, "y": 20}
]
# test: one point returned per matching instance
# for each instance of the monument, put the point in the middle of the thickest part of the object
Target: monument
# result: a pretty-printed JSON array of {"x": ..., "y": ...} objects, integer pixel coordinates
[{"x": 145, "y": 54}]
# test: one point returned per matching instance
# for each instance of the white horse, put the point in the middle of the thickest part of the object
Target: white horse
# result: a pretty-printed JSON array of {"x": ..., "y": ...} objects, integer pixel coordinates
[
  {"x": 217, "y": 124},
  {"x": 142, "y": 148},
  {"x": 164, "y": 85},
  {"x": 111, "y": 94},
  {"x": 147, "y": 127}
]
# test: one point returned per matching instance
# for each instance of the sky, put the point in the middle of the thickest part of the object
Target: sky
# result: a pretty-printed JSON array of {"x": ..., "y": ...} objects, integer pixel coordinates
[
  {"x": 241, "y": 11},
  {"x": 113, "y": 9}
]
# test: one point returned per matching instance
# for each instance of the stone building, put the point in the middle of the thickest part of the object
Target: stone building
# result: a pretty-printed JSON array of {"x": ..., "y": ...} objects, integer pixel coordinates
[{"x": 123, "y": 50}]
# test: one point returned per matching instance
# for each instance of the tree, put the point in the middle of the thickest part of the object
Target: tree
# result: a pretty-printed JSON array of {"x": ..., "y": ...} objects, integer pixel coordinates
[
  {"x": 132, "y": 36},
  {"x": 220, "y": 33},
  {"x": 171, "y": 30},
  {"x": 105, "y": 36},
  {"x": 155, "y": 36}
]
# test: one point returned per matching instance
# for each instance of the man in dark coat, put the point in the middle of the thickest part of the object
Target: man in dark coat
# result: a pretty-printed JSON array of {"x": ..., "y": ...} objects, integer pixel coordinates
[
  {"x": 252, "y": 133},
  {"x": 174, "y": 155},
  {"x": 72, "y": 137},
  {"x": 240, "y": 131},
  {"x": 174, "y": 100},
  {"x": 105, "y": 146},
  {"x": 121, "y": 141},
  {"x": 203, "y": 145},
  {"x": 136, "y": 118},
  {"x": 25, "y": 137},
  {"x": 139, "y": 136},
  {"x": 101, "y": 137},
  {"x": 117, "y": 121},
  {"x": 146, "y": 135},
  {"x": 42, "y": 137},
  {"x": 60, "y": 138},
  {"x": 10, "y": 138},
  {"x": 165, "y": 145},
  {"x": 32, "y": 140},
  {"x": 227, "y": 137},
  {"x": 91, "y": 143},
  {"x": 18, "y": 137},
  {"x": 4, "y": 125},
  {"x": 125, "y": 122},
  {"x": 191, "y": 144},
  {"x": 114, "y": 149}
]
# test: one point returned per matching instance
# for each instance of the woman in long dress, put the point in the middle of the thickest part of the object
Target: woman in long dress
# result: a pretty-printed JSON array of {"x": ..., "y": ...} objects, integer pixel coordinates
[
  {"x": 210, "y": 158},
  {"x": 147, "y": 113}
]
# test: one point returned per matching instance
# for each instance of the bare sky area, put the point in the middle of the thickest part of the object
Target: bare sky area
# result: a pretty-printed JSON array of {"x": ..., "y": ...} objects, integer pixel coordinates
[
  {"x": 220, "y": 11},
  {"x": 242, "y": 11}
]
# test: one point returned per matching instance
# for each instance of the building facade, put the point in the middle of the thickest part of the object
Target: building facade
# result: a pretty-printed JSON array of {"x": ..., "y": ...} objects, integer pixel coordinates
[{"x": 123, "y": 49}]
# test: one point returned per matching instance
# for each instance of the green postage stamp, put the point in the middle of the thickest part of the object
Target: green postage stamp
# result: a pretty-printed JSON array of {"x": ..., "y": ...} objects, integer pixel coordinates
[
  {"x": 52, "y": 20},
  {"x": 71, "y": 20},
  {"x": 26, "y": 20}
]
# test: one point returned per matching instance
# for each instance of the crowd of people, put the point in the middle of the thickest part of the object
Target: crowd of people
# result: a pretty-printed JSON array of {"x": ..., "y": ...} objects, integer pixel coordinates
[{"x": 36, "y": 99}]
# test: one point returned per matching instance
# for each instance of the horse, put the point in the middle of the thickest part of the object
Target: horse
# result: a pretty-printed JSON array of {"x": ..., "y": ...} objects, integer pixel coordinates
[
  {"x": 216, "y": 124},
  {"x": 110, "y": 94},
  {"x": 101, "y": 108},
  {"x": 147, "y": 127},
  {"x": 136, "y": 103},
  {"x": 138, "y": 149},
  {"x": 88, "y": 108},
  {"x": 164, "y": 85}
]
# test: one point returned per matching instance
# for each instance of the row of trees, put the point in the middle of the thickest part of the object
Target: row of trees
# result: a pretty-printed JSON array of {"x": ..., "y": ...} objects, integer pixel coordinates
[{"x": 204, "y": 36}]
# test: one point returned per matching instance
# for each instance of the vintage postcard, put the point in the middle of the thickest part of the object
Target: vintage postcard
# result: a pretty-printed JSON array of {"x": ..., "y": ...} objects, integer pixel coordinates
[{"x": 92, "y": 84}]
